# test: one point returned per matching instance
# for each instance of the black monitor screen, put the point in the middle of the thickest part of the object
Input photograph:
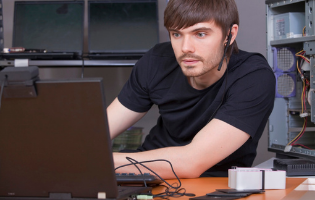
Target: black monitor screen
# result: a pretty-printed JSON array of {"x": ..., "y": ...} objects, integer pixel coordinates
[
  {"x": 54, "y": 26},
  {"x": 123, "y": 25}
]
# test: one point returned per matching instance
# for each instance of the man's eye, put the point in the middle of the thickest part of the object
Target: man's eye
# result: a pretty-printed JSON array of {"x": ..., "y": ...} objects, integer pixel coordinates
[
  {"x": 201, "y": 34},
  {"x": 176, "y": 34}
]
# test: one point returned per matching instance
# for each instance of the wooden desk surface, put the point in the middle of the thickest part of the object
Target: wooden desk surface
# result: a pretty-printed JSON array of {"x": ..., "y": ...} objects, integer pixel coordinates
[{"x": 202, "y": 186}]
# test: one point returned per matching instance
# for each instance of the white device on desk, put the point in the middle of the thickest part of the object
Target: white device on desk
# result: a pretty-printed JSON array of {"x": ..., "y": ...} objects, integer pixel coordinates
[{"x": 256, "y": 178}]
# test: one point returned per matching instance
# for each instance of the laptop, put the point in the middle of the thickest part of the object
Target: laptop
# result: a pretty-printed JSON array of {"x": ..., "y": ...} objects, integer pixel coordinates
[
  {"x": 122, "y": 29},
  {"x": 48, "y": 30},
  {"x": 56, "y": 144}
]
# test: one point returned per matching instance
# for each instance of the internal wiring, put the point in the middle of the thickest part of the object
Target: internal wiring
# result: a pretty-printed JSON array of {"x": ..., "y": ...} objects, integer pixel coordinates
[
  {"x": 292, "y": 143},
  {"x": 301, "y": 55},
  {"x": 303, "y": 146},
  {"x": 305, "y": 87}
]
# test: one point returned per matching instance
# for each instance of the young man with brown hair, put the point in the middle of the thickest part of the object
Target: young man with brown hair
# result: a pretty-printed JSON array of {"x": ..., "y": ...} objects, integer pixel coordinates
[{"x": 214, "y": 100}]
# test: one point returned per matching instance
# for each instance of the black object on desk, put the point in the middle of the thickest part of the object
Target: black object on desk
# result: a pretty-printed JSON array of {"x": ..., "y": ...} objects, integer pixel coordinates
[
  {"x": 295, "y": 167},
  {"x": 137, "y": 179},
  {"x": 57, "y": 145}
]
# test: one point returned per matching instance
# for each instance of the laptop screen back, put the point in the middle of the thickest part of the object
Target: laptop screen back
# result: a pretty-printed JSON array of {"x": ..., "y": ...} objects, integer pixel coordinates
[
  {"x": 57, "y": 142},
  {"x": 123, "y": 26},
  {"x": 51, "y": 25}
]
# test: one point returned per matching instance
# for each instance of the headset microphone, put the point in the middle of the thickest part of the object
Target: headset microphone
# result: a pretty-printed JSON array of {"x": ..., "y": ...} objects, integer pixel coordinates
[{"x": 226, "y": 48}]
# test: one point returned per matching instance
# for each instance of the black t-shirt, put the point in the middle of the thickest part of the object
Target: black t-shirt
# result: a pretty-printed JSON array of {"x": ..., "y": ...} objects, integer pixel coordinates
[{"x": 243, "y": 98}]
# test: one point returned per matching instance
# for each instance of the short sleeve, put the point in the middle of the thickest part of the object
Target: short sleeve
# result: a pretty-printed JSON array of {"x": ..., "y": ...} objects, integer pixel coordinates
[
  {"x": 134, "y": 95},
  {"x": 249, "y": 101}
]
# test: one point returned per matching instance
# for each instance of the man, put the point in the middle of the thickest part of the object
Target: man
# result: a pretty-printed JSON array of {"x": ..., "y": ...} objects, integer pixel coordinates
[{"x": 214, "y": 100}]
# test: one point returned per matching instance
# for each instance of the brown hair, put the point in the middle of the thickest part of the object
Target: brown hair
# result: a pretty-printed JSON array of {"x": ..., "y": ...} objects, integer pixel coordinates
[{"x": 181, "y": 14}]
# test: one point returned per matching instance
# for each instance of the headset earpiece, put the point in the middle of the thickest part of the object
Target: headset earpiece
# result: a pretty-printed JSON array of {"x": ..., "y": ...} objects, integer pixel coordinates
[{"x": 227, "y": 44}]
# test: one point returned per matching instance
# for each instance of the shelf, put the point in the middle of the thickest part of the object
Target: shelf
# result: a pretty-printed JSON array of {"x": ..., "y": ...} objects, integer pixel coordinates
[
  {"x": 292, "y": 40},
  {"x": 278, "y": 3},
  {"x": 75, "y": 63}
]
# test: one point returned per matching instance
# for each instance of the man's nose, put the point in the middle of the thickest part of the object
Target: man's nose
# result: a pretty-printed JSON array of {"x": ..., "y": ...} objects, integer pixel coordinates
[{"x": 187, "y": 45}]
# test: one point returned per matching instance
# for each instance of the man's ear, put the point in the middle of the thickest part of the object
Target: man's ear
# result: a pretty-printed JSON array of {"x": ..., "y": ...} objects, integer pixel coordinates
[{"x": 234, "y": 31}]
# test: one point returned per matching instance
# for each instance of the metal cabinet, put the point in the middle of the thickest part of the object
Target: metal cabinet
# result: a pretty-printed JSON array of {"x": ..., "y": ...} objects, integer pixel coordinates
[{"x": 291, "y": 124}]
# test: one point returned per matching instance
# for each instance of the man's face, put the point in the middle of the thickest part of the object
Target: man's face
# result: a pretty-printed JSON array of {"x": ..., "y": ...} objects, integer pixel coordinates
[{"x": 198, "y": 48}]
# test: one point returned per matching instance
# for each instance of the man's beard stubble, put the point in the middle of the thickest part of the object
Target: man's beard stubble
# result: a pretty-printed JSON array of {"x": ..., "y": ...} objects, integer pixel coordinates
[{"x": 208, "y": 65}]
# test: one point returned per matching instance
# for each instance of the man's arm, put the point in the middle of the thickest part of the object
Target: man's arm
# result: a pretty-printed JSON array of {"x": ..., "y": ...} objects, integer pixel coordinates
[
  {"x": 213, "y": 143},
  {"x": 121, "y": 118}
]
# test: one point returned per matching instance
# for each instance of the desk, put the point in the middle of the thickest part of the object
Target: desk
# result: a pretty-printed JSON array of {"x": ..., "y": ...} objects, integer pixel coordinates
[{"x": 201, "y": 186}]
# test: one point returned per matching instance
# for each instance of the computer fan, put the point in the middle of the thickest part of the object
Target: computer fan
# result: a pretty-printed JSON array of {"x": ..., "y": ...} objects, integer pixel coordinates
[
  {"x": 285, "y": 84},
  {"x": 284, "y": 59}
]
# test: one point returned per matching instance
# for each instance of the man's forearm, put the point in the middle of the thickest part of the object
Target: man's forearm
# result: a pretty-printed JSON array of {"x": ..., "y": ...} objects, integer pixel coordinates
[{"x": 181, "y": 163}]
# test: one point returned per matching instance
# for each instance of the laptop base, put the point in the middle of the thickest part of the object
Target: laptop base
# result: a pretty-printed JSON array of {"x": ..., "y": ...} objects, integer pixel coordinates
[{"x": 123, "y": 193}]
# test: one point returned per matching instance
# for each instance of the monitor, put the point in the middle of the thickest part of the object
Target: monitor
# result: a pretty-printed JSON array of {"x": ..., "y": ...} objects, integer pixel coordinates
[
  {"x": 123, "y": 26},
  {"x": 51, "y": 25}
]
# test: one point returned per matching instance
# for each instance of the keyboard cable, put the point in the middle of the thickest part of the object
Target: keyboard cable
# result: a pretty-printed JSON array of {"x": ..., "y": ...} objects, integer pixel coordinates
[{"x": 2, "y": 88}]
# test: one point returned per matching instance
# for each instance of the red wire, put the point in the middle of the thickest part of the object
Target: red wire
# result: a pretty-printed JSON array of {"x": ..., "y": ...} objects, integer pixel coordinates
[
  {"x": 304, "y": 103},
  {"x": 303, "y": 58},
  {"x": 302, "y": 146}
]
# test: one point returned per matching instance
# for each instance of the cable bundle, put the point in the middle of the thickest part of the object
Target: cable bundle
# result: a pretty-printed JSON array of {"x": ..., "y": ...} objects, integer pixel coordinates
[
  {"x": 306, "y": 84},
  {"x": 170, "y": 191}
]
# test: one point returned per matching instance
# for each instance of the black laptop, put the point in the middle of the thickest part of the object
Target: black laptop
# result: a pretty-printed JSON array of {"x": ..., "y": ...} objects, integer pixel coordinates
[
  {"x": 48, "y": 30},
  {"x": 56, "y": 144},
  {"x": 122, "y": 29}
]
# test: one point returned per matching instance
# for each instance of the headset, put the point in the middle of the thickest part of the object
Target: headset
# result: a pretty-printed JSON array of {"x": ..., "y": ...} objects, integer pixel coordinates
[
  {"x": 226, "y": 47},
  {"x": 219, "y": 68}
]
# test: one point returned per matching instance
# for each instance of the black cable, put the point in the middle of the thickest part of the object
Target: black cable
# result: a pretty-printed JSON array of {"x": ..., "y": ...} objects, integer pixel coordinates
[
  {"x": 167, "y": 193},
  {"x": 144, "y": 181},
  {"x": 222, "y": 100},
  {"x": 82, "y": 69},
  {"x": 158, "y": 160},
  {"x": 226, "y": 48},
  {"x": 219, "y": 68},
  {"x": 177, "y": 193},
  {"x": 2, "y": 88}
]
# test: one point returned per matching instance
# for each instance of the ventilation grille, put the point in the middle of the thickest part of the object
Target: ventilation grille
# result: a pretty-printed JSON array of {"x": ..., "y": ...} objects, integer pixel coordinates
[
  {"x": 284, "y": 59},
  {"x": 285, "y": 84}
]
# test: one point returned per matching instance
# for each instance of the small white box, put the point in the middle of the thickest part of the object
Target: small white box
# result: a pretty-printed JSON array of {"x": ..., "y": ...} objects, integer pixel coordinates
[{"x": 256, "y": 178}]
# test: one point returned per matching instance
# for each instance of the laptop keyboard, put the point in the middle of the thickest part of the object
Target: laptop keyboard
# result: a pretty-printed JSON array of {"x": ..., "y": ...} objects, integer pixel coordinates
[{"x": 137, "y": 179}]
